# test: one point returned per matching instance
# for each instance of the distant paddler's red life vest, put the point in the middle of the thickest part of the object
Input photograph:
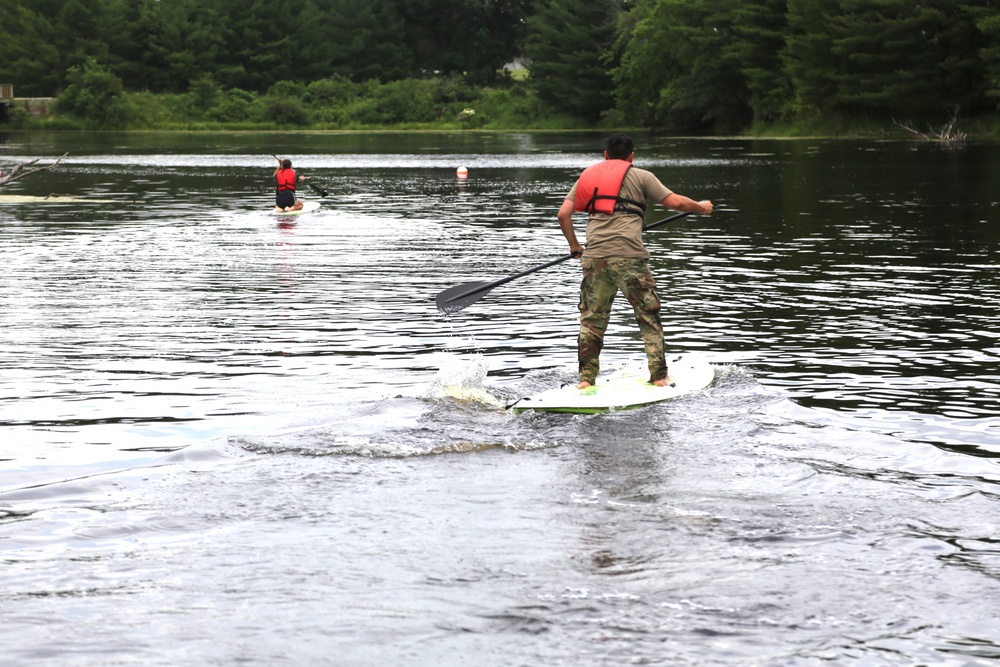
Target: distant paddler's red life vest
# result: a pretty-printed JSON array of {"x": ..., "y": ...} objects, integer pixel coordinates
[
  {"x": 286, "y": 180},
  {"x": 598, "y": 188}
]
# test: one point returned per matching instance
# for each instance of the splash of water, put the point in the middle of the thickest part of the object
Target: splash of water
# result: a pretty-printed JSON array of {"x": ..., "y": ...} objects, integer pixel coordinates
[{"x": 463, "y": 378}]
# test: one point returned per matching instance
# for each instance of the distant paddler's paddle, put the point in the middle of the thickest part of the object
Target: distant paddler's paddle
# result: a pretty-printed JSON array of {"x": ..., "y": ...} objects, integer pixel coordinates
[
  {"x": 462, "y": 296},
  {"x": 320, "y": 191}
]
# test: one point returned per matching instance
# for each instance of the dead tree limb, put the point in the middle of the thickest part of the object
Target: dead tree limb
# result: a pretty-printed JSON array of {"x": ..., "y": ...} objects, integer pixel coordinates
[
  {"x": 25, "y": 169},
  {"x": 946, "y": 134}
]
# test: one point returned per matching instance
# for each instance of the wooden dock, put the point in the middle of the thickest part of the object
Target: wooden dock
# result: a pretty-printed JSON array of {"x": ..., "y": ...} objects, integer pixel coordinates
[
  {"x": 6, "y": 101},
  {"x": 33, "y": 106}
]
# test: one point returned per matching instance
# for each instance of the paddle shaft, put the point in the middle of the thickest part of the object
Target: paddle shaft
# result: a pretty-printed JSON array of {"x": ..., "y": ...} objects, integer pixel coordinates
[{"x": 503, "y": 281}]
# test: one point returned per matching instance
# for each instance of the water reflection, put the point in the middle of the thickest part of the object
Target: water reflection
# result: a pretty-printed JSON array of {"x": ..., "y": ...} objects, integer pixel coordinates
[{"x": 208, "y": 413}]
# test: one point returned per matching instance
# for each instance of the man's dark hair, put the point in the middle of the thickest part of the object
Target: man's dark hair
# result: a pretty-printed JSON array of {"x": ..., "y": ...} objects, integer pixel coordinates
[{"x": 619, "y": 146}]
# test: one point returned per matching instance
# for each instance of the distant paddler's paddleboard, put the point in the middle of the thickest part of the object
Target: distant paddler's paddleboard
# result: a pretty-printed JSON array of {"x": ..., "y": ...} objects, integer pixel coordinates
[
  {"x": 624, "y": 391},
  {"x": 307, "y": 207}
]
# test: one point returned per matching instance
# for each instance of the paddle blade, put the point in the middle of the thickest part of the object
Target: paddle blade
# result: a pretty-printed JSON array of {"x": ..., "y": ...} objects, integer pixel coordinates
[
  {"x": 319, "y": 190},
  {"x": 461, "y": 296}
]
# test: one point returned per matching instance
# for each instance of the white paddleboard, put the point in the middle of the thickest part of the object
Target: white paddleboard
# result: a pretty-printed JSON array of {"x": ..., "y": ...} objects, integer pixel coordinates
[
  {"x": 624, "y": 391},
  {"x": 307, "y": 207}
]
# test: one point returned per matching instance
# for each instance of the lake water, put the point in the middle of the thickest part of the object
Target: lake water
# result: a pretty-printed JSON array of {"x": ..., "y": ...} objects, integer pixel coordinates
[{"x": 229, "y": 438}]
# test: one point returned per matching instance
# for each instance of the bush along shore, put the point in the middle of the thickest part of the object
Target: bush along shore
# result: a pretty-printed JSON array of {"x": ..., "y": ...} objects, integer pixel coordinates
[{"x": 96, "y": 100}]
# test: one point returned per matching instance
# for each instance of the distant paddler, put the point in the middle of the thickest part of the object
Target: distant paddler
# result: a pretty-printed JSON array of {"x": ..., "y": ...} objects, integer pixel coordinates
[{"x": 284, "y": 198}]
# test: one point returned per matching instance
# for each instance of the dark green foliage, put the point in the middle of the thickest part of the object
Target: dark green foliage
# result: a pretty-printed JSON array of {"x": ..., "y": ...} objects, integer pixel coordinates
[
  {"x": 284, "y": 111},
  {"x": 760, "y": 28},
  {"x": 29, "y": 57},
  {"x": 471, "y": 37},
  {"x": 685, "y": 66},
  {"x": 716, "y": 66},
  {"x": 406, "y": 101},
  {"x": 363, "y": 42},
  {"x": 332, "y": 90},
  {"x": 251, "y": 44},
  {"x": 988, "y": 23},
  {"x": 454, "y": 89},
  {"x": 94, "y": 94},
  {"x": 885, "y": 58},
  {"x": 569, "y": 48},
  {"x": 704, "y": 66},
  {"x": 204, "y": 93},
  {"x": 235, "y": 106}
]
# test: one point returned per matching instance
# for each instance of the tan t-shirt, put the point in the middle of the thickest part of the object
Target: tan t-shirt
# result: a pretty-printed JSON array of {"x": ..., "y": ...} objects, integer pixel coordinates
[{"x": 619, "y": 234}]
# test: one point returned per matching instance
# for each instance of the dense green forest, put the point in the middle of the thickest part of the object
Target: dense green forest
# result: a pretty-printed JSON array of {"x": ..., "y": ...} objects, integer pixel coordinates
[{"x": 685, "y": 66}]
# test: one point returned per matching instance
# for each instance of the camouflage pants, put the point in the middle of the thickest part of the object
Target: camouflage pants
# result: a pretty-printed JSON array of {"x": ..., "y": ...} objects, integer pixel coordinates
[{"x": 603, "y": 278}]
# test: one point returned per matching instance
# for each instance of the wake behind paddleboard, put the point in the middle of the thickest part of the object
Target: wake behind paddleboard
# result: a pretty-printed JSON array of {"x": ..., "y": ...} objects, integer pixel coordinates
[
  {"x": 307, "y": 207},
  {"x": 624, "y": 391}
]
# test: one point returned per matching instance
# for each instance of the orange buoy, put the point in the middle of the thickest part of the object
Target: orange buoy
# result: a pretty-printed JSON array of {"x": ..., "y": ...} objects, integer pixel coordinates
[{"x": 462, "y": 172}]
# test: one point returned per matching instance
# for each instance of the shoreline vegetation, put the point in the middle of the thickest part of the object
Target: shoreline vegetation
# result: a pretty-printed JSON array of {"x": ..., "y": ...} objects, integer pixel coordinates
[{"x": 441, "y": 104}]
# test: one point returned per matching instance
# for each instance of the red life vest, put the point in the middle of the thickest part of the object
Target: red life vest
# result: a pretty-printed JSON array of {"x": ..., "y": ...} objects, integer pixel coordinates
[
  {"x": 286, "y": 180},
  {"x": 598, "y": 188}
]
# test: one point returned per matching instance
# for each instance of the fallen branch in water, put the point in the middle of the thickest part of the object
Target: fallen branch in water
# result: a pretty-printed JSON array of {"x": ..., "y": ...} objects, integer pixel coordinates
[
  {"x": 24, "y": 169},
  {"x": 947, "y": 134}
]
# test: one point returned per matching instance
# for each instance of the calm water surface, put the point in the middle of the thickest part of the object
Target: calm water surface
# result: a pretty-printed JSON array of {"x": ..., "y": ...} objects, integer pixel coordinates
[{"x": 229, "y": 438}]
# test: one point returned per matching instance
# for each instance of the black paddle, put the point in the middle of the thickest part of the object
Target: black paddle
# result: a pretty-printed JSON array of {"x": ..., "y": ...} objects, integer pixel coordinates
[
  {"x": 320, "y": 191},
  {"x": 462, "y": 296}
]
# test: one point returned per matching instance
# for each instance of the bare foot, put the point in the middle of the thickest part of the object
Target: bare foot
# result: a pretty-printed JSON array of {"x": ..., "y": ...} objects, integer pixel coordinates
[
  {"x": 665, "y": 382},
  {"x": 583, "y": 385}
]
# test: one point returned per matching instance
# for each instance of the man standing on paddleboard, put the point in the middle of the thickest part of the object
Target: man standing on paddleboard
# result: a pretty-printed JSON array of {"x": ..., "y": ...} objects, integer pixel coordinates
[
  {"x": 284, "y": 198},
  {"x": 615, "y": 194}
]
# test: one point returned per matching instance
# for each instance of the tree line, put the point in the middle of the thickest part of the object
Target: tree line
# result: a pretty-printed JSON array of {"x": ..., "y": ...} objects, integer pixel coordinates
[
  {"x": 688, "y": 66},
  {"x": 253, "y": 44}
]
